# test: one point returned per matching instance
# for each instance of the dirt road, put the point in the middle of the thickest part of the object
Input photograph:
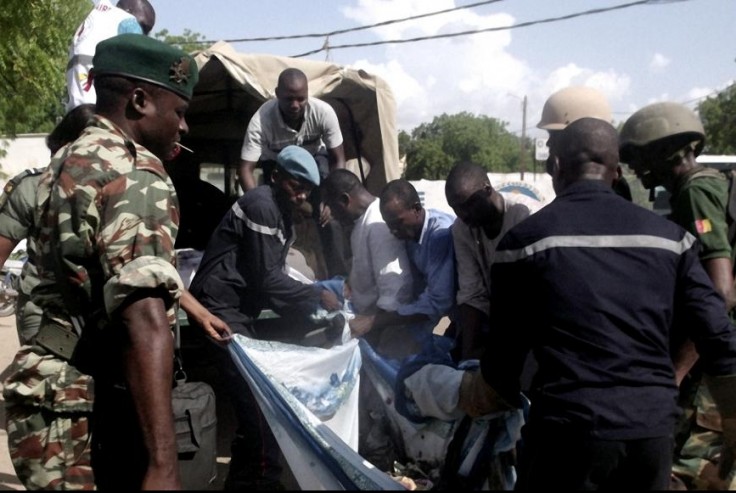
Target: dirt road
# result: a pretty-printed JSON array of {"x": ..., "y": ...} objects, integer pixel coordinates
[
  {"x": 9, "y": 481},
  {"x": 8, "y": 347}
]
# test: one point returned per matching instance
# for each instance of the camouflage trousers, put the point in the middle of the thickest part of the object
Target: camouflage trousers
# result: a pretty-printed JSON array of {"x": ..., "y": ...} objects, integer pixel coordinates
[
  {"x": 48, "y": 405},
  {"x": 27, "y": 318},
  {"x": 697, "y": 463},
  {"x": 50, "y": 451}
]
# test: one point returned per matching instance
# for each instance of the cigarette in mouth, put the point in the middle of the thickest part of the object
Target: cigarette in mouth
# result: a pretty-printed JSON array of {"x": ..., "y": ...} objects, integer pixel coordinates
[{"x": 185, "y": 148}]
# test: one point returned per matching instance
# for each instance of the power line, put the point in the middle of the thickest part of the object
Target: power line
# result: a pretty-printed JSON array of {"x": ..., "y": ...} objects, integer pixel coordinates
[
  {"x": 714, "y": 92},
  {"x": 352, "y": 29},
  {"x": 486, "y": 30}
]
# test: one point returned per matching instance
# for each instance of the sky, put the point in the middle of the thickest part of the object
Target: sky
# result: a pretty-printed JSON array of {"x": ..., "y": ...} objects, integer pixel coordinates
[{"x": 673, "y": 50}]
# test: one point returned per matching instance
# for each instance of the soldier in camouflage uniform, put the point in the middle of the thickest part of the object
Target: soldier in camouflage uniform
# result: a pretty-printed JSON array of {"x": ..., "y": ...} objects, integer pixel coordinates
[
  {"x": 107, "y": 218},
  {"x": 17, "y": 205},
  {"x": 660, "y": 143}
]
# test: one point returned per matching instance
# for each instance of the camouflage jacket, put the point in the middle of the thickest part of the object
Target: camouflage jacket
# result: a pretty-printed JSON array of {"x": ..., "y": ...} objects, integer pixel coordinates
[
  {"x": 17, "y": 206},
  {"x": 107, "y": 219}
]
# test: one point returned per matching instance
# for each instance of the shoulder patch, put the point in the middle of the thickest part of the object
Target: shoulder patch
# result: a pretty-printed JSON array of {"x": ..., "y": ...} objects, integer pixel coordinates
[
  {"x": 7, "y": 190},
  {"x": 11, "y": 185},
  {"x": 703, "y": 226}
]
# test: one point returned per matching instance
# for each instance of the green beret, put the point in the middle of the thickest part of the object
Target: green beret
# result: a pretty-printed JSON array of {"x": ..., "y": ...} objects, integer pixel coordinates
[{"x": 147, "y": 59}]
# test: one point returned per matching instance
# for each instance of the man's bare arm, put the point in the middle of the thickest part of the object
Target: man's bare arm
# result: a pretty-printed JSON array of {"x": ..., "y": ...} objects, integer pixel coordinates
[
  {"x": 148, "y": 360},
  {"x": 336, "y": 157},
  {"x": 684, "y": 359},
  {"x": 6, "y": 248},
  {"x": 720, "y": 271},
  {"x": 246, "y": 176},
  {"x": 213, "y": 326},
  {"x": 470, "y": 332}
]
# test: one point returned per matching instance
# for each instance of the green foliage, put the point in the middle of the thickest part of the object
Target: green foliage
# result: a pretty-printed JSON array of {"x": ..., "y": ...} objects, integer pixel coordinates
[
  {"x": 435, "y": 147},
  {"x": 34, "y": 45},
  {"x": 34, "y": 49},
  {"x": 717, "y": 114},
  {"x": 188, "y": 41},
  {"x": 404, "y": 141}
]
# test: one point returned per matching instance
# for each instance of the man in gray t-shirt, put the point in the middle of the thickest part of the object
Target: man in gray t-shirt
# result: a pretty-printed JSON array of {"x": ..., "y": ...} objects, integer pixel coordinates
[{"x": 294, "y": 118}]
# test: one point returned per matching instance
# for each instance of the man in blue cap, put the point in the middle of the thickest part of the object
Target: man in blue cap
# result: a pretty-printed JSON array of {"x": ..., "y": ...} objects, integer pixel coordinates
[{"x": 241, "y": 274}]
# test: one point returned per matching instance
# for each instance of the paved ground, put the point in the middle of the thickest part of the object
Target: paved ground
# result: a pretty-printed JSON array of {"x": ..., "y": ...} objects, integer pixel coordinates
[
  {"x": 225, "y": 424},
  {"x": 8, "y": 347},
  {"x": 8, "y": 479}
]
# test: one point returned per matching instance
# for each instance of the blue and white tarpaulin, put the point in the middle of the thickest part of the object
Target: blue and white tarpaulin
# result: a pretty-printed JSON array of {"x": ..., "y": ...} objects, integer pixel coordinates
[{"x": 309, "y": 396}]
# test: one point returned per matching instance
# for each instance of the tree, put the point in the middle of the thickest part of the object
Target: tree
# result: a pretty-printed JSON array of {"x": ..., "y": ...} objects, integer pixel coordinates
[
  {"x": 717, "y": 114},
  {"x": 404, "y": 142},
  {"x": 34, "y": 44},
  {"x": 34, "y": 50},
  {"x": 188, "y": 41},
  {"x": 435, "y": 147}
]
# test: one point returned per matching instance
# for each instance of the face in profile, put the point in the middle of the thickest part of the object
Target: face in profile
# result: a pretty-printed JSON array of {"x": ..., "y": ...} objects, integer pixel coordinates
[
  {"x": 164, "y": 125},
  {"x": 402, "y": 221},
  {"x": 552, "y": 144},
  {"x": 340, "y": 208},
  {"x": 474, "y": 208},
  {"x": 291, "y": 189},
  {"x": 654, "y": 167}
]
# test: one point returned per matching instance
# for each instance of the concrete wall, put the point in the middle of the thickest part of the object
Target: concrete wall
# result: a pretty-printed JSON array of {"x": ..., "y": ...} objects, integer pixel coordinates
[
  {"x": 23, "y": 152},
  {"x": 535, "y": 190}
]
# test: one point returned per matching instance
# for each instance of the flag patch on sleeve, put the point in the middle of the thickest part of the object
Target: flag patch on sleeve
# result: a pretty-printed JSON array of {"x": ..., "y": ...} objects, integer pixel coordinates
[{"x": 703, "y": 226}]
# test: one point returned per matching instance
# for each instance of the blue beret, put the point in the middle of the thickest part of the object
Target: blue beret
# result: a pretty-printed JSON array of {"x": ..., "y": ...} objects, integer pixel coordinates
[
  {"x": 299, "y": 163},
  {"x": 147, "y": 59}
]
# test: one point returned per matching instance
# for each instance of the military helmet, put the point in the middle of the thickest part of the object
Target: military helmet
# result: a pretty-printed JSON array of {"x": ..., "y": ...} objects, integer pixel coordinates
[
  {"x": 664, "y": 123},
  {"x": 572, "y": 103}
]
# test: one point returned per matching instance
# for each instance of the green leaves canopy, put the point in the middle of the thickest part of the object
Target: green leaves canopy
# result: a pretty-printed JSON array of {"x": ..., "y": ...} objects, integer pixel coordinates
[
  {"x": 433, "y": 148},
  {"x": 34, "y": 45},
  {"x": 719, "y": 119}
]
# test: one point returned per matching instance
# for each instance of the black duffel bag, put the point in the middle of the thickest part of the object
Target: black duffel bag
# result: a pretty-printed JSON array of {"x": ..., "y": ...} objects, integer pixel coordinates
[{"x": 195, "y": 423}]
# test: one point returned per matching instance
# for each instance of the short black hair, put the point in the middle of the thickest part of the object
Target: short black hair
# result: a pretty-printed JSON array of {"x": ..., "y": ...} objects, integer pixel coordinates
[
  {"x": 338, "y": 182},
  {"x": 70, "y": 127},
  {"x": 588, "y": 140},
  {"x": 290, "y": 75},
  {"x": 466, "y": 175},
  {"x": 143, "y": 12},
  {"x": 402, "y": 191}
]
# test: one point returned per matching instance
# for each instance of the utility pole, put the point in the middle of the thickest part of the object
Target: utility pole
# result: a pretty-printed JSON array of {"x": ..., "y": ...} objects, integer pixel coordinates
[
  {"x": 522, "y": 150},
  {"x": 326, "y": 47}
]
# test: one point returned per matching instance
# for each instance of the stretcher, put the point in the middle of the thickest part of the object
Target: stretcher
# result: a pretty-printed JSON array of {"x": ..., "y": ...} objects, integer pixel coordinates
[{"x": 309, "y": 396}]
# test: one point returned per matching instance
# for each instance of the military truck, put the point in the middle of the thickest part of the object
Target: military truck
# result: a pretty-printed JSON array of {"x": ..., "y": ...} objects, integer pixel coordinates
[{"x": 231, "y": 88}]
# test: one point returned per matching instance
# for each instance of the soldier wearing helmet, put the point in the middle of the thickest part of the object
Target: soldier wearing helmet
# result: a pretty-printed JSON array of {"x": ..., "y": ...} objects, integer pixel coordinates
[
  {"x": 570, "y": 104},
  {"x": 660, "y": 143}
]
